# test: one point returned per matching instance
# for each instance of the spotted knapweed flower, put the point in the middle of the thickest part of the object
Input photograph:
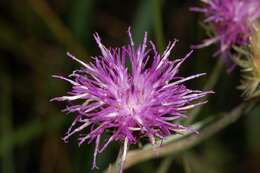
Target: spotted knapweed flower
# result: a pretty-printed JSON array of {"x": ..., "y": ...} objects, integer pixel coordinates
[
  {"x": 231, "y": 21},
  {"x": 143, "y": 100}
]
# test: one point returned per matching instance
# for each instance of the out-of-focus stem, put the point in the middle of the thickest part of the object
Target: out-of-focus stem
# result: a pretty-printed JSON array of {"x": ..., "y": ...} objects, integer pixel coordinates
[
  {"x": 165, "y": 165},
  {"x": 140, "y": 155},
  {"x": 30, "y": 131},
  {"x": 186, "y": 164},
  {"x": 7, "y": 161},
  {"x": 213, "y": 78},
  {"x": 158, "y": 24},
  {"x": 56, "y": 26}
]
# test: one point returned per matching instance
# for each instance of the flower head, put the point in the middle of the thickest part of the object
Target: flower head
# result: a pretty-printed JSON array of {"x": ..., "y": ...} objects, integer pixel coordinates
[
  {"x": 250, "y": 66},
  {"x": 143, "y": 100},
  {"x": 231, "y": 20}
]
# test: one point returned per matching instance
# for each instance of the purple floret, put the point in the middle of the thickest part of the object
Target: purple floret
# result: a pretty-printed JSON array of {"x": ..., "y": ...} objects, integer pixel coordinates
[
  {"x": 232, "y": 21},
  {"x": 144, "y": 100}
]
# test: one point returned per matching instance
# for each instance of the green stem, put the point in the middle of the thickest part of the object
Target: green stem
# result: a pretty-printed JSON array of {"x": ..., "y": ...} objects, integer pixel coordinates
[
  {"x": 158, "y": 24},
  {"x": 142, "y": 21},
  {"x": 28, "y": 132},
  {"x": 208, "y": 86},
  {"x": 6, "y": 123},
  {"x": 57, "y": 27},
  {"x": 165, "y": 165},
  {"x": 186, "y": 164}
]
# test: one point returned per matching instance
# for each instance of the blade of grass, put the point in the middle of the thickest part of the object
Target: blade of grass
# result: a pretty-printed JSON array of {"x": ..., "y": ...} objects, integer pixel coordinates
[
  {"x": 165, "y": 165},
  {"x": 29, "y": 132},
  {"x": 143, "y": 20},
  {"x": 213, "y": 78},
  {"x": 80, "y": 19},
  {"x": 6, "y": 122},
  {"x": 57, "y": 27},
  {"x": 186, "y": 164},
  {"x": 158, "y": 26}
]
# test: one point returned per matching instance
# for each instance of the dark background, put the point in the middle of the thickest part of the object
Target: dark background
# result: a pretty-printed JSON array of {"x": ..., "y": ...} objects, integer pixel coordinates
[{"x": 34, "y": 38}]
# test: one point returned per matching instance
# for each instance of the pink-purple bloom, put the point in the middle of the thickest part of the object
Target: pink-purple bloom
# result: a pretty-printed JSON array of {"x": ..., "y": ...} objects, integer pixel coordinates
[
  {"x": 231, "y": 20},
  {"x": 143, "y": 100}
]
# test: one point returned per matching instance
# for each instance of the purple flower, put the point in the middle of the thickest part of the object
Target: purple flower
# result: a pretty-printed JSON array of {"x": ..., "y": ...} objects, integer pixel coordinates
[
  {"x": 232, "y": 21},
  {"x": 143, "y": 100}
]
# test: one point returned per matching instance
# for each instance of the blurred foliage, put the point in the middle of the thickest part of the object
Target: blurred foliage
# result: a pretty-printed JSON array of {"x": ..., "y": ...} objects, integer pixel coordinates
[{"x": 34, "y": 38}]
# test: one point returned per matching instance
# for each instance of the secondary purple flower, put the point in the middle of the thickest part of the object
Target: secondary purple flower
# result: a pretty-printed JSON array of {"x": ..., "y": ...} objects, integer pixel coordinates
[
  {"x": 232, "y": 21},
  {"x": 143, "y": 100}
]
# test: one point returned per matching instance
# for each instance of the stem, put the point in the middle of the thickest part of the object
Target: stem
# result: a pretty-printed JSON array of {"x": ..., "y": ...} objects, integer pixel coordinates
[
  {"x": 165, "y": 165},
  {"x": 57, "y": 27},
  {"x": 158, "y": 24},
  {"x": 7, "y": 160},
  {"x": 30, "y": 131},
  {"x": 140, "y": 155},
  {"x": 124, "y": 154},
  {"x": 186, "y": 164},
  {"x": 208, "y": 86}
]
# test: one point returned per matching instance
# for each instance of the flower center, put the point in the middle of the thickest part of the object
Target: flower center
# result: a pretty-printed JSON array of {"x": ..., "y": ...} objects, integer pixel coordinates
[
  {"x": 132, "y": 106},
  {"x": 132, "y": 102}
]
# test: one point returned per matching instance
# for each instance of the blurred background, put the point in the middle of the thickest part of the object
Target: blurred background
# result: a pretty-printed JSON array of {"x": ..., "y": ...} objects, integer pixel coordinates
[{"x": 34, "y": 38}]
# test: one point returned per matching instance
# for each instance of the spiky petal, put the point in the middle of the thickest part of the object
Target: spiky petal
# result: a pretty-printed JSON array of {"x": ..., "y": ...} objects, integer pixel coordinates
[
  {"x": 142, "y": 101},
  {"x": 231, "y": 20}
]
